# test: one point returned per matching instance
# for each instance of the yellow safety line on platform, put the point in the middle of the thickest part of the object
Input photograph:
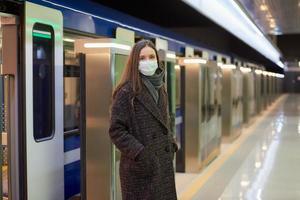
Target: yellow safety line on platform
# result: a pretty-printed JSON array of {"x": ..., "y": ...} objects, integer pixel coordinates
[{"x": 196, "y": 185}]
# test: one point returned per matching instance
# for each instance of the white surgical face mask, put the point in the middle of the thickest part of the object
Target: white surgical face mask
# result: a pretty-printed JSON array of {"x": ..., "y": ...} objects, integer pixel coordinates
[{"x": 148, "y": 67}]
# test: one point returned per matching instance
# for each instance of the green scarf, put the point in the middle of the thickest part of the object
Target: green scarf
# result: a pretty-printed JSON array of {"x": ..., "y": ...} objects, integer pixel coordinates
[{"x": 154, "y": 82}]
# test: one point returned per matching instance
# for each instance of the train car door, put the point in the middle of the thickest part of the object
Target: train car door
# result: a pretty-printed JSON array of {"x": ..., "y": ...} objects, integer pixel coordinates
[
  {"x": 44, "y": 102},
  {"x": 119, "y": 63},
  {"x": 171, "y": 89},
  {"x": 74, "y": 117},
  {"x": 179, "y": 121},
  {"x": 10, "y": 97}
]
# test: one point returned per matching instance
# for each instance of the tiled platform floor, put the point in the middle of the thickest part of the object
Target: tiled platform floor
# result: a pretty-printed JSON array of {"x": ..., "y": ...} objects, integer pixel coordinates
[{"x": 263, "y": 163}]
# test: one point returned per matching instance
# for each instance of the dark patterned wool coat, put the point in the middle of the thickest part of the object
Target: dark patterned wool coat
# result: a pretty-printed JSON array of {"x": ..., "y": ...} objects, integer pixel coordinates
[{"x": 140, "y": 130}]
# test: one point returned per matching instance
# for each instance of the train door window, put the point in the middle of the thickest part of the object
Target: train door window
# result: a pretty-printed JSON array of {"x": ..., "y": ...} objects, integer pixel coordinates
[
  {"x": 43, "y": 82},
  {"x": 71, "y": 97},
  {"x": 179, "y": 114},
  {"x": 120, "y": 62},
  {"x": 71, "y": 87},
  {"x": 119, "y": 66},
  {"x": 178, "y": 85},
  {"x": 203, "y": 93}
]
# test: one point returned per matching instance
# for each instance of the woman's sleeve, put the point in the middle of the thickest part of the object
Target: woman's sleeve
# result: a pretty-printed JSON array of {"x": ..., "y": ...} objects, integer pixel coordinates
[{"x": 119, "y": 126}]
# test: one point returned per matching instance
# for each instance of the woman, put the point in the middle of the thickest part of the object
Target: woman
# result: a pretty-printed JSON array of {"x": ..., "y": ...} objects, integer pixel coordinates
[{"x": 140, "y": 128}]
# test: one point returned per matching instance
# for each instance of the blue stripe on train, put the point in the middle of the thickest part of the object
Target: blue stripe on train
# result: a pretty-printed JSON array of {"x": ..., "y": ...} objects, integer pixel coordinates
[
  {"x": 178, "y": 112},
  {"x": 72, "y": 179},
  {"x": 72, "y": 170},
  {"x": 71, "y": 143}
]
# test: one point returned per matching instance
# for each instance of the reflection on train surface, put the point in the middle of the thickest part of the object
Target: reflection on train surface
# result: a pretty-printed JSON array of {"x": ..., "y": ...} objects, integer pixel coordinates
[{"x": 56, "y": 82}]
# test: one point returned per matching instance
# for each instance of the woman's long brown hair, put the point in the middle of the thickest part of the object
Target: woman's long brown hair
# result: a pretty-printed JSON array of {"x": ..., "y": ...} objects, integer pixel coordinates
[{"x": 131, "y": 71}]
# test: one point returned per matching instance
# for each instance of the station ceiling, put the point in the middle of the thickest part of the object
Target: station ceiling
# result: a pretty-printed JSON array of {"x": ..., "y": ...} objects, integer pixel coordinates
[
  {"x": 280, "y": 18},
  {"x": 275, "y": 16},
  {"x": 177, "y": 16}
]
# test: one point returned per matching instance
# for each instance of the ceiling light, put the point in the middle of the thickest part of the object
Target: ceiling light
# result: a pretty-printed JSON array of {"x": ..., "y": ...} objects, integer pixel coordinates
[
  {"x": 228, "y": 66},
  {"x": 299, "y": 63},
  {"x": 107, "y": 45},
  {"x": 257, "y": 164},
  {"x": 264, "y": 147},
  {"x": 69, "y": 40},
  {"x": 177, "y": 67},
  {"x": 245, "y": 69},
  {"x": 280, "y": 64},
  {"x": 280, "y": 76},
  {"x": 258, "y": 71},
  {"x": 220, "y": 64},
  {"x": 194, "y": 61},
  {"x": 269, "y": 16},
  {"x": 263, "y": 7},
  {"x": 244, "y": 183},
  {"x": 171, "y": 55}
]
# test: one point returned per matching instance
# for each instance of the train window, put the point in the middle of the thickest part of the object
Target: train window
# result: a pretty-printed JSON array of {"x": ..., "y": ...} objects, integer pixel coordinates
[
  {"x": 71, "y": 88},
  {"x": 43, "y": 81},
  {"x": 71, "y": 98}
]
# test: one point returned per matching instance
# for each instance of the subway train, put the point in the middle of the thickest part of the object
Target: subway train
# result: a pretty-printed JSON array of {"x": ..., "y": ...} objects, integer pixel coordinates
[{"x": 60, "y": 61}]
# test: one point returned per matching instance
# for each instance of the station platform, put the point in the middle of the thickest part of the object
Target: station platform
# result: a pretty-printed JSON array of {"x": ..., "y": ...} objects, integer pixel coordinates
[{"x": 263, "y": 163}]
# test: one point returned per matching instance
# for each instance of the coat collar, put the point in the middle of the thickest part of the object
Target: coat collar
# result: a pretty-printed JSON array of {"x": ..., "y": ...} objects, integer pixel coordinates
[{"x": 156, "y": 110}]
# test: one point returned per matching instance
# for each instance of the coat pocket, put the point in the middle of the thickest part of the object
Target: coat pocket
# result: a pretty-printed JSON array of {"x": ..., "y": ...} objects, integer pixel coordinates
[{"x": 146, "y": 165}]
